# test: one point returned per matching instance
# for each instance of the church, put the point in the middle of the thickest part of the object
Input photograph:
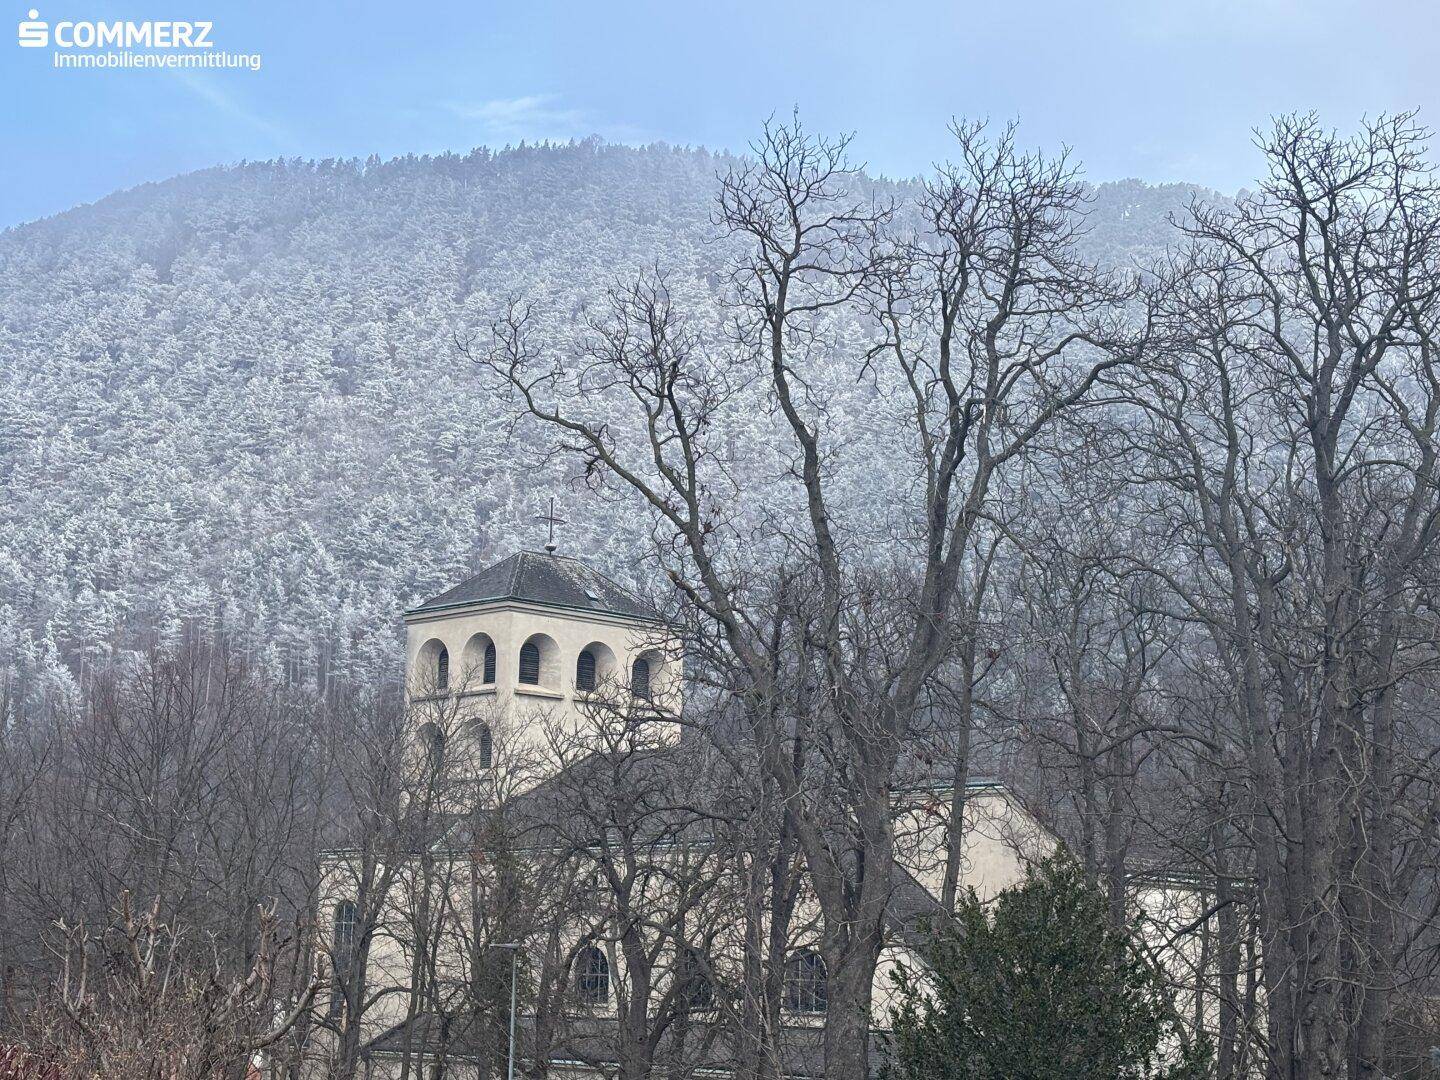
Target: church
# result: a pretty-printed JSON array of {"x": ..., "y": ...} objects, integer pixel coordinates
[{"x": 588, "y": 892}]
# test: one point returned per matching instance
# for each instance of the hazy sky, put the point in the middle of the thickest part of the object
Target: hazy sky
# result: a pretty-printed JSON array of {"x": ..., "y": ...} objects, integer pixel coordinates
[{"x": 1162, "y": 90}]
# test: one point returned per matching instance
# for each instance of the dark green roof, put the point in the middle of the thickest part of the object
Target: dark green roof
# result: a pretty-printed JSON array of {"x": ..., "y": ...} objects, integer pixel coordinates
[{"x": 537, "y": 577}]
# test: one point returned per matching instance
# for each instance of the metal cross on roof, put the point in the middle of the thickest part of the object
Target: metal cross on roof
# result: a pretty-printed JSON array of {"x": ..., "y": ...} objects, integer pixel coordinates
[{"x": 552, "y": 521}]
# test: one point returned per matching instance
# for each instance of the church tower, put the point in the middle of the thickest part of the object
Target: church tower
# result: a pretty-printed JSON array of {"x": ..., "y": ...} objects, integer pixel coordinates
[{"x": 523, "y": 661}]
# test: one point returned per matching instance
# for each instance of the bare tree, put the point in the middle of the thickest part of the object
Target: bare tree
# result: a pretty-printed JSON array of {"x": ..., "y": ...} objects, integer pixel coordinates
[
  {"x": 394, "y": 882},
  {"x": 141, "y": 1000},
  {"x": 995, "y": 327},
  {"x": 182, "y": 776},
  {"x": 629, "y": 813},
  {"x": 1292, "y": 417},
  {"x": 25, "y": 753}
]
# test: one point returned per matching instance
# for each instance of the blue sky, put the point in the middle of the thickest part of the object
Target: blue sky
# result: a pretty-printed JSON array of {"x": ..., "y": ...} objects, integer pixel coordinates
[{"x": 1162, "y": 90}]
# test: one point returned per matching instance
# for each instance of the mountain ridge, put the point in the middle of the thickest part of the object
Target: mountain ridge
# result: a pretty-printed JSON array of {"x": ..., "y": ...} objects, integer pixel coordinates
[
  {"x": 234, "y": 398},
  {"x": 372, "y": 161}
]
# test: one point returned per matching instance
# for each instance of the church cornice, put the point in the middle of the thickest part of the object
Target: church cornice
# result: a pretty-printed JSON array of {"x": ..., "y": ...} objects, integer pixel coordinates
[{"x": 417, "y": 616}]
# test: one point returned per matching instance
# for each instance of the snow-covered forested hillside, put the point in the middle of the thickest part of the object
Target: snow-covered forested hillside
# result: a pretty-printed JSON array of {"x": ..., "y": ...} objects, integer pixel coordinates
[{"x": 234, "y": 398}]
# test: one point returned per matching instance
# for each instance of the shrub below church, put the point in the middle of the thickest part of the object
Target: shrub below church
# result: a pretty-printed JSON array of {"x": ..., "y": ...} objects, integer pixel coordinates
[{"x": 1038, "y": 986}]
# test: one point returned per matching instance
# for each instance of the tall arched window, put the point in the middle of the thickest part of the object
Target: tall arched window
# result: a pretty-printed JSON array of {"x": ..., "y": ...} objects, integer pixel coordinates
[
  {"x": 592, "y": 977},
  {"x": 640, "y": 679},
  {"x": 487, "y": 747},
  {"x": 530, "y": 663},
  {"x": 585, "y": 671},
  {"x": 342, "y": 954},
  {"x": 489, "y": 674},
  {"x": 807, "y": 988},
  {"x": 442, "y": 669},
  {"x": 343, "y": 940}
]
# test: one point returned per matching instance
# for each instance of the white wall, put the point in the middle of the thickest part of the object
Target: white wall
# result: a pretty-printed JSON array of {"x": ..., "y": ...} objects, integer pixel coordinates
[{"x": 529, "y": 709}]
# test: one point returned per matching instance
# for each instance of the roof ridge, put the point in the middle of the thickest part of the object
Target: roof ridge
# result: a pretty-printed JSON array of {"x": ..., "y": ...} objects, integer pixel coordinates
[
  {"x": 585, "y": 566},
  {"x": 554, "y": 555}
]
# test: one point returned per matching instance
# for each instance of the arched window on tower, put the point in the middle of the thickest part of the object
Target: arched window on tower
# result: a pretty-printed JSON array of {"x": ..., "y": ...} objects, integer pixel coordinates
[
  {"x": 585, "y": 671},
  {"x": 442, "y": 669},
  {"x": 486, "y": 747},
  {"x": 640, "y": 679},
  {"x": 807, "y": 984},
  {"x": 489, "y": 665},
  {"x": 592, "y": 977},
  {"x": 530, "y": 664}
]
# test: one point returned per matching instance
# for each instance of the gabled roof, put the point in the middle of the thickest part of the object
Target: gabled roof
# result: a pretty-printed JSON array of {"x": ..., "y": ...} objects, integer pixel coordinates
[{"x": 538, "y": 577}]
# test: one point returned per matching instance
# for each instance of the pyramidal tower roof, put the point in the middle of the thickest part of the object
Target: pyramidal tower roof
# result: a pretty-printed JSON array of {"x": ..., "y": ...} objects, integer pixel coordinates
[{"x": 545, "y": 578}]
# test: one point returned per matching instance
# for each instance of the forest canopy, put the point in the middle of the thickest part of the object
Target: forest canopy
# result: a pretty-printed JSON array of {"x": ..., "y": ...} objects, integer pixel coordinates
[{"x": 233, "y": 400}]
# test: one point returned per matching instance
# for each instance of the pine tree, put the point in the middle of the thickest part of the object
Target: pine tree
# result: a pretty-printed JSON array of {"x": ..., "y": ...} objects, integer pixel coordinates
[{"x": 1038, "y": 986}]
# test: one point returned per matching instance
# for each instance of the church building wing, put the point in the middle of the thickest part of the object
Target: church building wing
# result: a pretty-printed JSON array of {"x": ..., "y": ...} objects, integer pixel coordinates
[{"x": 516, "y": 676}]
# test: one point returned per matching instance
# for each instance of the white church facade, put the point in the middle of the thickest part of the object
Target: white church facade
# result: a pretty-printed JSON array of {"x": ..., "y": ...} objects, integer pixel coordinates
[{"x": 505, "y": 674}]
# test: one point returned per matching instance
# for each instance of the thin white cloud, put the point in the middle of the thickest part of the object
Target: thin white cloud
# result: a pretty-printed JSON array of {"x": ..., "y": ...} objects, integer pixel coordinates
[{"x": 208, "y": 89}]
